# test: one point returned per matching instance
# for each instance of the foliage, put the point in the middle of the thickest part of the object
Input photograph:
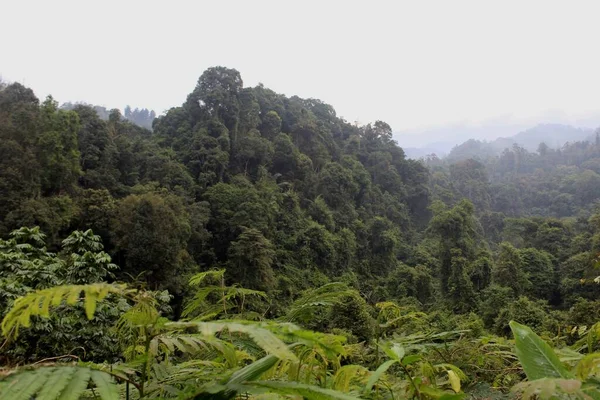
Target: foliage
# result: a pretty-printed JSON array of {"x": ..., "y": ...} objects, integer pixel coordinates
[{"x": 267, "y": 246}]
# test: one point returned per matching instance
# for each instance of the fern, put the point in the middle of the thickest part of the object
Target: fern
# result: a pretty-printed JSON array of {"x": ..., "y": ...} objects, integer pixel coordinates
[
  {"x": 38, "y": 303},
  {"x": 214, "y": 288},
  {"x": 57, "y": 383},
  {"x": 215, "y": 275},
  {"x": 261, "y": 336},
  {"x": 324, "y": 296},
  {"x": 302, "y": 390},
  {"x": 348, "y": 374}
]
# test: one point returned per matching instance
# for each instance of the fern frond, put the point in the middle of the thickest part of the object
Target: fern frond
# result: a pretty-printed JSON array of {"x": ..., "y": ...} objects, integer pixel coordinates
[
  {"x": 324, "y": 296},
  {"x": 187, "y": 344},
  {"x": 52, "y": 383},
  {"x": 38, "y": 303},
  {"x": 348, "y": 374},
  {"x": 261, "y": 336},
  {"x": 202, "y": 276}
]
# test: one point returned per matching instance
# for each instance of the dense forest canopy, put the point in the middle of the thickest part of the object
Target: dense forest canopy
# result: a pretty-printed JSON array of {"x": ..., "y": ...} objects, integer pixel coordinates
[{"x": 258, "y": 199}]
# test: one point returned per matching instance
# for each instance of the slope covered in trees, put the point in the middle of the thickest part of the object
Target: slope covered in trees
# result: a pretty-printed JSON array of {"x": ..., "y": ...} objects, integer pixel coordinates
[
  {"x": 246, "y": 204},
  {"x": 279, "y": 190}
]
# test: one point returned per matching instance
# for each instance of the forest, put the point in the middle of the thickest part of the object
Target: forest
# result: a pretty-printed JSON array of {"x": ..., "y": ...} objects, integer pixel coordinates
[{"x": 251, "y": 245}]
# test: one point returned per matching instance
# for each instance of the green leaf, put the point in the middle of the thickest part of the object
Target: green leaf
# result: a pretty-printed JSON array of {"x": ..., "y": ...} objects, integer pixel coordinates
[
  {"x": 411, "y": 359},
  {"x": 77, "y": 385},
  {"x": 26, "y": 384},
  {"x": 261, "y": 336},
  {"x": 106, "y": 387},
  {"x": 39, "y": 302},
  {"x": 253, "y": 371},
  {"x": 588, "y": 366},
  {"x": 56, "y": 382},
  {"x": 309, "y": 392},
  {"x": 378, "y": 374},
  {"x": 90, "y": 304},
  {"x": 199, "y": 278},
  {"x": 47, "y": 383},
  {"x": 536, "y": 356}
]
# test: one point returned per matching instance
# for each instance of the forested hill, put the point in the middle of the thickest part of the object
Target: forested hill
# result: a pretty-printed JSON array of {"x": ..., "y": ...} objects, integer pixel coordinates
[
  {"x": 139, "y": 116},
  {"x": 554, "y": 136},
  {"x": 280, "y": 191},
  {"x": 252, "y": 235},
  {"x": 561, "y": 182}
]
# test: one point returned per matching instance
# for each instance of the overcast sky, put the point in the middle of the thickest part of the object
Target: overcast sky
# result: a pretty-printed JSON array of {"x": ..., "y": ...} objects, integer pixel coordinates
[{"x": 410, "y": 63}]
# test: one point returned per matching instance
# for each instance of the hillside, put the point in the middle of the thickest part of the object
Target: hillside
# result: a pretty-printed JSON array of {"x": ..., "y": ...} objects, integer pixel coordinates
[
  {"x": 257, "y": 243},
  {"x": 554, "y": 136},
  {"x": 463, "y": 142}
]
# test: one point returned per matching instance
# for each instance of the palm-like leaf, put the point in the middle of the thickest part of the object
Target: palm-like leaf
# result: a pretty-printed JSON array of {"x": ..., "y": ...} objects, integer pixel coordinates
[
  {"x": 38, "y": 303},
  {"x": 266, "y": 339},
  {"x": 52, "y": 383},
  {"x": 324, "y": 296}
]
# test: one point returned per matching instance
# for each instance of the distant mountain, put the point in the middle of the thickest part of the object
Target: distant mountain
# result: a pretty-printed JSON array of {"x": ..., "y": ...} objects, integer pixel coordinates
[
  {"x": 557, "y": 129},
  {"x": 553, "y": 135},
  {"x": 441, "y": 140}
]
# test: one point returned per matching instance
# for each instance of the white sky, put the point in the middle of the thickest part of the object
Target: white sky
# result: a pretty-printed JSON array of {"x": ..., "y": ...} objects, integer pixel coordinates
[{"x": 410, "y": 63}]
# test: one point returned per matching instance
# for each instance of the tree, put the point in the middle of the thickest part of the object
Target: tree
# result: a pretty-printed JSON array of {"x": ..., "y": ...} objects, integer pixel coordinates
[
  {"x": 216, "y": 94},
  {"x": 455, "y": 231},
  {"x": 57, "y": 148},
  {"x": 509, "y": 270},
  {"x": 251, "y": 258},
  {"x": 150, "y": 234},
  {"x": 538, "y": 266}
]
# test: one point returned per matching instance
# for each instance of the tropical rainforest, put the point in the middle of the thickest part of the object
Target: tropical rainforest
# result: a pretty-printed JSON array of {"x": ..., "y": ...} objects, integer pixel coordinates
[{"x": 251, "y": 245}]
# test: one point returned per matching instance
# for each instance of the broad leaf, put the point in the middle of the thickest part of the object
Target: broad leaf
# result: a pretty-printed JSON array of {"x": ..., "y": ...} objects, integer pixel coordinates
[
  {"x": 536, "y": 356},
  {"x": 378, "y": 374}
]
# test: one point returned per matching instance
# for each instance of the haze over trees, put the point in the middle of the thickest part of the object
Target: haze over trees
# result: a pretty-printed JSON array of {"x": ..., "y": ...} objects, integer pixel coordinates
[{"x": 249, "y": 242}]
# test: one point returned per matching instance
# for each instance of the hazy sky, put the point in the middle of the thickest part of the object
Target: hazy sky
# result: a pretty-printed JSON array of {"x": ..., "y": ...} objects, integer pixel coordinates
[{"x": 410, "y": 63}]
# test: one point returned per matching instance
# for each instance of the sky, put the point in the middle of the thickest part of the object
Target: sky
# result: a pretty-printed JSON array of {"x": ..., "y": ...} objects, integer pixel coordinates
[{"x": 413, "y": 64}]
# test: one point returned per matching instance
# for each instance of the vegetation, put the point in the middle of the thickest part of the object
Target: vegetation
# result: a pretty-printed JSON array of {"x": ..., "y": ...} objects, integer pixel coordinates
[{"x": 252, "y": 244}]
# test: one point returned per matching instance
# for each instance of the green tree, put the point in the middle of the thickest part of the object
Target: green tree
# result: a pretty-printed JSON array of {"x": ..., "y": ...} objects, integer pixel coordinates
[
  {"x": 57, "y": 148},
  {"x": 150, "y": 233},
  {"x": 250, "y": 260},
  {"x": 509, "y": 270}
]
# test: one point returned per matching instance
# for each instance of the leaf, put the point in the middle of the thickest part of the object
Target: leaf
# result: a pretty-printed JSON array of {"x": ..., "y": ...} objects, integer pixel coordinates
[
  {"x": 588, "y": 366},
  {"x": 26, "y": 384},
  {"x": 39, "y": 302},
  {"x": 395, "y": 352},
  {"x": 261, "y": 336},
  {"x": 378, "y": 374},
  {"x": 398, "y": 350},
  {"x": 199, "y": 278},
  {"x": 299, "y": 389},
  {"x": 77, "y": 385},
  {"x": 436, "y": 393},
  {"x": 90, "y": 304},
  {"x": 253, "y": 371},
  {"x": 56, "y": 383},
  {"x": 47, "y": 383},
  {"x": 411, "y": 359},
  {"x": 346, "y": 374},
  {"x": 536, "y": 356},
  {"x": 315, "y": 299},
  {"x": 548, "y": 388},
  {"x": 454, "y": 380},
  {"x": 105, "y": 385}
]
